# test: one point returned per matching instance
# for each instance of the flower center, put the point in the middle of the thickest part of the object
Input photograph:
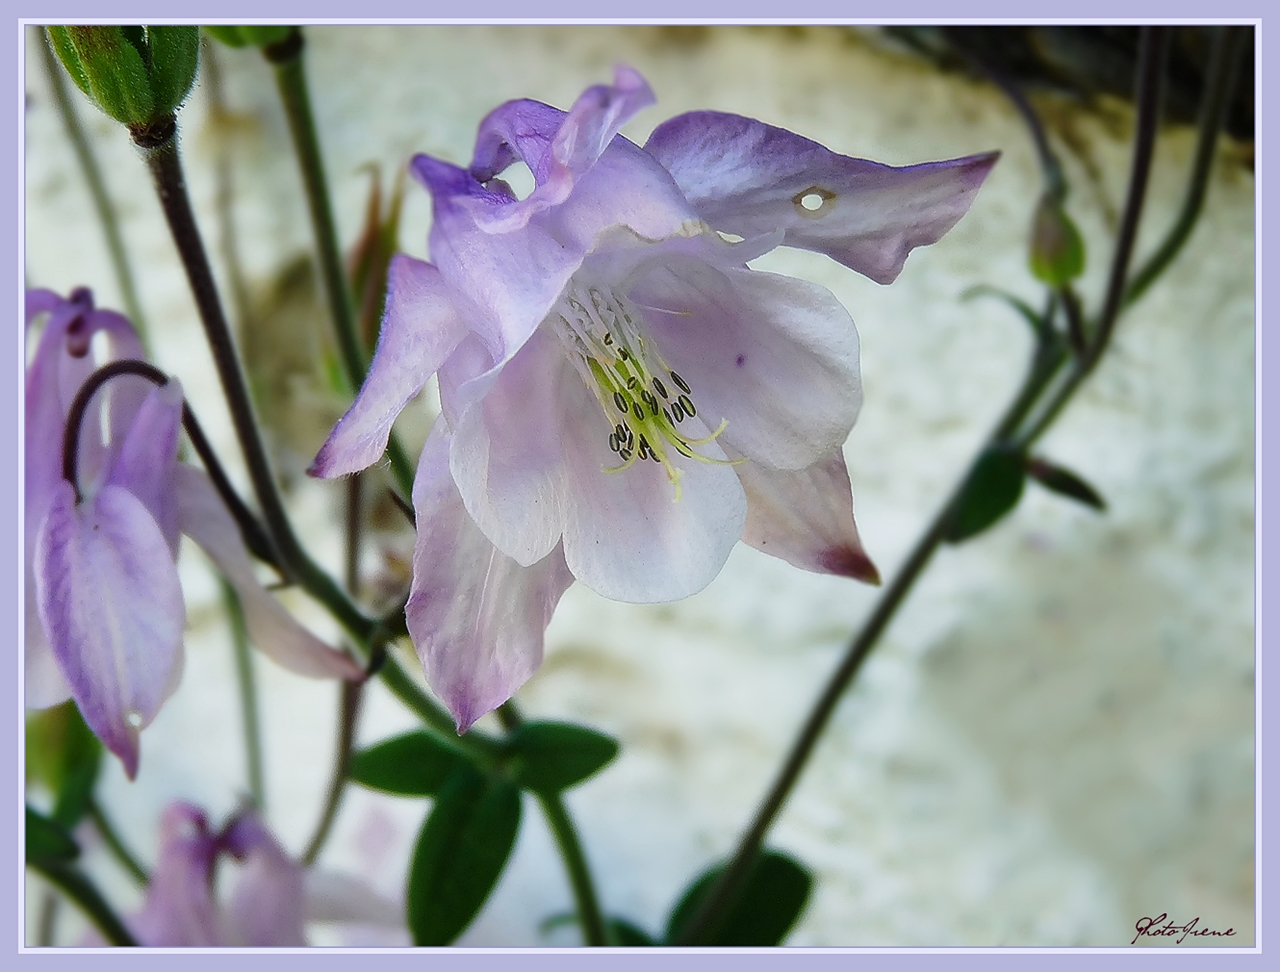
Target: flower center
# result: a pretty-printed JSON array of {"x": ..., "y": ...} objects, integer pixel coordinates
[{"x": 644, "y": 401}]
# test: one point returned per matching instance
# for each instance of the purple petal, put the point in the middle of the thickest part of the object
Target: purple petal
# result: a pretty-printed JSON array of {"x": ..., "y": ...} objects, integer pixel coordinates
[
  {"x": 144, "y": 461},
  {"x": 111, "y": 605},
  {"x": 777, "y": 358},
  {"x": 746, "y": 177},
  {"x": 626, "y": 535},
  {"x": 505, "y": 453},
  {"x": 266, "y": 908},
  {"x": 475, "y": 615},
  {"x": 806, "y": 518},
  {"x": 420, "y": 328},
  {"x": 179, "y": 910},
  {"x": 204, "y": 518}
]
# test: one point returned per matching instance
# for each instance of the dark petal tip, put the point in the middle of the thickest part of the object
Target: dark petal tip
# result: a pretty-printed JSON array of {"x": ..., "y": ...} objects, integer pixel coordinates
[{"x": 849, "y": 562}]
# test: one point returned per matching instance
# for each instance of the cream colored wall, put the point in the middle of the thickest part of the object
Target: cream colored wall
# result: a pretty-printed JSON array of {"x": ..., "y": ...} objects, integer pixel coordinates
[{"x": 1055, "y": 737}]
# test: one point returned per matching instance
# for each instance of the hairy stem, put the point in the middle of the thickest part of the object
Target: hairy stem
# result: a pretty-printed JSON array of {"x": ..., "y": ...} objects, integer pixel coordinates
[{"x": 291, "y": 80}]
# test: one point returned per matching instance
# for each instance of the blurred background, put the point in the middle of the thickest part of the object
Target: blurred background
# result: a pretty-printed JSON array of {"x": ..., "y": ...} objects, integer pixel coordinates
[{"x": 1055, "y": 737}]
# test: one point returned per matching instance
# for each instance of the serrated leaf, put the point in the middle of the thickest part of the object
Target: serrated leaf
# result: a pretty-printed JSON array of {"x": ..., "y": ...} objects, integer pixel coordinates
[
  {"x": 415, "y": 764},
  {"x": 992, "y": 490},
  {"x": 551, "y": 756},
  {"x": 771, "y": 901},
  {"x": 460, "y": 854},
  {"x": 47, "y": 840},
  {"x": 1065, "y": 483}
]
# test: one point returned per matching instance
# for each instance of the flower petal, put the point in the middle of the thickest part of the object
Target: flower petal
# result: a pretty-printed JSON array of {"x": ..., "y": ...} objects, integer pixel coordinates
[
  {"x": 505, "y": 453},
  {"x": 626, "y": 535},
  {"x": 746, "y": 177},
  {"x": 144, "y": 461},
  {"x": 777, "y": 358},
  {"x": 806, "y": 518},
  {"x": 273, "y": 630},
  {"x": 475, "y": 615},
  {"x": 179, "y": 911},
  {"x": 111, "y": 605},
  {"x": 420, "y": 328},
  {"x": 332, "y": 897},
  {"x": 266, "y": 908}
]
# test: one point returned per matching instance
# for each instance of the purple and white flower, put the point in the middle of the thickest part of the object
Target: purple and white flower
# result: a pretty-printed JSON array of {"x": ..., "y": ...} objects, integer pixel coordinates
[
  {"x": 623, "y": 398},
  {"x": 272, "y": 899},
  {"x": 104, "y": 608}
]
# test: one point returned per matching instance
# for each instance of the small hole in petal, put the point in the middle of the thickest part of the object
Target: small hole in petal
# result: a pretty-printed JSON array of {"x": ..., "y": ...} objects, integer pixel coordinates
[
  {"x": 519, "y": 177},
  {"x": 813, "y": 202}
]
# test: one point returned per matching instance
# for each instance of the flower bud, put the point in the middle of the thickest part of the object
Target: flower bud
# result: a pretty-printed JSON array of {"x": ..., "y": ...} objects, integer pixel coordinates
[
  {"x": 249, "y": 35},
  {"x": 1057, "y": 251},
  {"x": 137, "y": 75}
]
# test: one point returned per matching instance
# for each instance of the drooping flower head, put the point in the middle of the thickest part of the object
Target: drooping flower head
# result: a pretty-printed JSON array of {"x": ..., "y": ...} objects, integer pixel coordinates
[
  {"x": 105, "y": 611},
  {"x": 623, "y": 398}
]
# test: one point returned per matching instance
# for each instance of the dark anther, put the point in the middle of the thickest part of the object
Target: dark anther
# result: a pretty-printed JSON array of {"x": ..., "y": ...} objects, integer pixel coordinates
[
  {"x": 659, "y": 386},
  {"x": 620, "y": 401},
  {"x": 639, "y": 412},
  {"x": 680, "y": 381},
  {"x": 687, "y": 405}
]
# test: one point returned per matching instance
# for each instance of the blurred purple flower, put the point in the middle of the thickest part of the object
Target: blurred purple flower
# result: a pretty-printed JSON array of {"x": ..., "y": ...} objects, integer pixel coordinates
[
  {"x": 623, "y": 398},
  {"x": 273, "y": 897},
  {"x": 104, "y": 609}
]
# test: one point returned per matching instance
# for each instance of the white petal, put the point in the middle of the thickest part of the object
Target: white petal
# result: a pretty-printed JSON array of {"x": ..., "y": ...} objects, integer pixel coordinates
[
  {"x": 273, "y": 630},
  {"x": 626, "y": 535},
  {"x": 506, "y": 453},
  {"x": 806, "y": 518},
  {"x": 475, "y": 615},
  {"x": 775, "y": 357}
]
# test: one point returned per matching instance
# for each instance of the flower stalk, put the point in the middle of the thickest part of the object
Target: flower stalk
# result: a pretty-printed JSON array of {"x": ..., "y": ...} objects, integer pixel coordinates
[{"x": 724, "y": 895}]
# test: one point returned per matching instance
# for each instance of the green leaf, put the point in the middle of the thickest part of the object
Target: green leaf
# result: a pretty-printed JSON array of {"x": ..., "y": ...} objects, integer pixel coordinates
[
  {"x": 415, "y": 764},
  {"x": 551, "y": 756},
  {"x": 48, "y": 840},
  {"x": 992, "y": 490},
  {"x": 249, "y": 35},
  {"x": 64, "y": 755},
  {"x": 1065, "y": 483},
  {"x": 771, "y": 901},
  {"x": 1057, "y": 249},
  {"x": 460, "y": 854},
  {"x": 623, "y": 933},
  {"x": 1028, "y": 313}
]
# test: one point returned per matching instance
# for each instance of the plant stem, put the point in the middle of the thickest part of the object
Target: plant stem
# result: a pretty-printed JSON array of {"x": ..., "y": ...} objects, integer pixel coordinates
[
  {"x": 291, "y": 80},
  {"x": 724, "y": 895},
  {"x": 248, "y": 697},
  {"x": 72, "y": 882},
  {"x": 47, "y": 919},
  {"x": 115, "y": 844},
  {"x": 575, "y": 861},
  {"x": 349, "y": 713},
  {"x": 97, "y": 190},
  {"x": 351, "y": 694},
  {"x": 1219, "y": 85}
]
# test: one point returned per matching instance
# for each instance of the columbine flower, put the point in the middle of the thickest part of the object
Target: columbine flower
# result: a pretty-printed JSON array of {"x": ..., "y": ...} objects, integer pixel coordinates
[
  {"x": 104, "y": 608},
  {"x": 623, "y": 398},
  {"x": 273, "y": 897}
]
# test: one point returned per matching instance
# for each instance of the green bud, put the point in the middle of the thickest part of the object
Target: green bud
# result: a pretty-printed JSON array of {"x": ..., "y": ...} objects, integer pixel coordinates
[
  {"x": 249, "y": 35},
  {"x": 137, "y": 75},
  {"x": 1057, "y": 251}
]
